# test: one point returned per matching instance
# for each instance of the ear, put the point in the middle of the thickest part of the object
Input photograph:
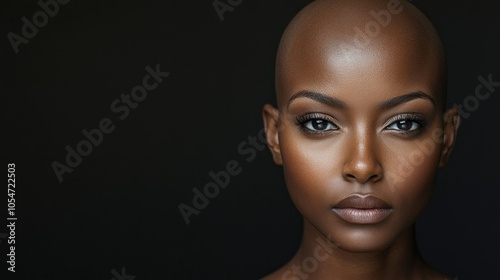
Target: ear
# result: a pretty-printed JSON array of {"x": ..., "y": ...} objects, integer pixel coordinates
[
  {"x": 451, "y": 124},
  {"x": 271, "y": 126}
]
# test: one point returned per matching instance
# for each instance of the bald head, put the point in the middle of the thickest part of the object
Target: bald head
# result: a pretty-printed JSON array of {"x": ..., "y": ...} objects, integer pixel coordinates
[{"x": 370, "y": 42}]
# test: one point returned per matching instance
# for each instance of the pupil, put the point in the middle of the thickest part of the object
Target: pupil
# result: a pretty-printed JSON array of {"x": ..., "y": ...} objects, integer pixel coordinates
[
  {"x": 319, "y": 124},
  {"x": 404, "y": 125}
]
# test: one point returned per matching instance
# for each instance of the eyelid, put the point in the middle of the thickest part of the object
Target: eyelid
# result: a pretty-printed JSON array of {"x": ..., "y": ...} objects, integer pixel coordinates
[
  {"x": 412, "y": 116},
  {"x": 417, "y": 118},
  {"x": 313, "y": 115},
  {"x": 302, "y": 120}
]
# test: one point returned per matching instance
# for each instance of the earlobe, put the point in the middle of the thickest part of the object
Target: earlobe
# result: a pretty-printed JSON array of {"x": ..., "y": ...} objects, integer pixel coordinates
[
  {"x": 451, "y": 124},
  {"x": 270, "y": 116}
]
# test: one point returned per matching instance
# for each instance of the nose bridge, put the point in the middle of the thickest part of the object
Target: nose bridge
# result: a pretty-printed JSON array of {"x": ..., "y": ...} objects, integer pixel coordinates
[{"x": 362, "y": 162}]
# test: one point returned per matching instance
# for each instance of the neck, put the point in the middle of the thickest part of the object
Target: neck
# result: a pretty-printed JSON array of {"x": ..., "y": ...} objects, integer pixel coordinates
[{"x": 318, "y": 258}]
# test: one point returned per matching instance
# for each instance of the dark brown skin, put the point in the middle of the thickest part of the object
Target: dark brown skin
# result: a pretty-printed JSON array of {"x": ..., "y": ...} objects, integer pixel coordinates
[{"x": 357, "y": 143}]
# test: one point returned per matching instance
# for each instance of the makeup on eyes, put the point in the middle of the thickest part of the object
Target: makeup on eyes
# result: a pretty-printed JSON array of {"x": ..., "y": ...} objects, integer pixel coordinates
[
  {"x": 407, "y": 123},
  {"x": 410, "y": 123},
  {"x": 312, "y": 123}
]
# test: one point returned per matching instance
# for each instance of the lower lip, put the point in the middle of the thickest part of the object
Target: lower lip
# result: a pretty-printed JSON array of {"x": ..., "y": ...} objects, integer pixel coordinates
[{"x": 363, "y": 216}]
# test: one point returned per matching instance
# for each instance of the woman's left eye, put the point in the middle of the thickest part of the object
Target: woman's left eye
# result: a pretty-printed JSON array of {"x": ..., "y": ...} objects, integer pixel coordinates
[{"x": 405, "y": 125}]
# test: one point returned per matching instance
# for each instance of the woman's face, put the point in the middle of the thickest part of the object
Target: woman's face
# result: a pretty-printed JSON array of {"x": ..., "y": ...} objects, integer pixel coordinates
[{"x": 360, "y": 135}]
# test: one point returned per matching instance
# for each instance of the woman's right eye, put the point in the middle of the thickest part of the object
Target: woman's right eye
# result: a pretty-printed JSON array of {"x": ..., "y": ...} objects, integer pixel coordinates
[
  {"x": 316, "y": 123},
  {"x": 319, "y": 125}
]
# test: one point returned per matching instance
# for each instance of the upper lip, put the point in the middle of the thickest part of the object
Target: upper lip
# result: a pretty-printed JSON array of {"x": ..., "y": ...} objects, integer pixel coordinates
[{"x": 362, "y": 202}]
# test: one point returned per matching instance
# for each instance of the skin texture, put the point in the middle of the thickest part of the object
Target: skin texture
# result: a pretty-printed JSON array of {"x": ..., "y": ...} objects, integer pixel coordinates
[{"x": 342, "y": 128}]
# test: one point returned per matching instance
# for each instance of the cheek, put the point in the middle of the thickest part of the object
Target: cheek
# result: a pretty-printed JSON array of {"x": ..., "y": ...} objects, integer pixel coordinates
[
  {"x": 410, "y": 170},
  {"x": 415, "y": 192},
  {"x": 309, "y": 167}
]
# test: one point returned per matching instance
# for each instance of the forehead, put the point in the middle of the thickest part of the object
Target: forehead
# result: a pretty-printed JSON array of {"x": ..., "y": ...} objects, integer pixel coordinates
[{"x": 356, "y": 57}]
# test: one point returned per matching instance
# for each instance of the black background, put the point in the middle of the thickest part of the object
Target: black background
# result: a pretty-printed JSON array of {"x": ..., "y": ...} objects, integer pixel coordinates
[{"x": 119, "y": 207}]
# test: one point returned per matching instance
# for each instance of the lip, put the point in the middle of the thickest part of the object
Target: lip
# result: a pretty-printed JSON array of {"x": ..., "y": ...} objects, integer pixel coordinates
[{"x": 359, "y": 209}]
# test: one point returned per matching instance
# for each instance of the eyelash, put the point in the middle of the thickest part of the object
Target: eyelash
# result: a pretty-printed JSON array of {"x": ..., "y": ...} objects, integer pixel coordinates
[
  {"x": 414, "y": 118},
  {"x": 303, "y": 120}
]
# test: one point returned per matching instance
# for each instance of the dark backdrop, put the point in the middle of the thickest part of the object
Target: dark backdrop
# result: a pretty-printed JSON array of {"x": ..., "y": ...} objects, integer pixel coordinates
[{"x": 117, "y": 213}]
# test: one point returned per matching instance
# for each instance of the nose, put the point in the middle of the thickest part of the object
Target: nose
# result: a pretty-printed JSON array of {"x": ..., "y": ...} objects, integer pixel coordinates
[{"x": 361, "y": 163}]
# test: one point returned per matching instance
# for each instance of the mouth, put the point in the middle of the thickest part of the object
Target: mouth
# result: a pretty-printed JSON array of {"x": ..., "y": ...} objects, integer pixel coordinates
[{"x": 358, "y": 209}]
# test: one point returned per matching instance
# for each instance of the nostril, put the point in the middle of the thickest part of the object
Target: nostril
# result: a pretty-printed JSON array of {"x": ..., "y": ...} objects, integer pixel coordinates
[
  {"x": 375, "y": 177},
  {"x": 350, "y": 177},
  {"x": 368, "y": 173}
]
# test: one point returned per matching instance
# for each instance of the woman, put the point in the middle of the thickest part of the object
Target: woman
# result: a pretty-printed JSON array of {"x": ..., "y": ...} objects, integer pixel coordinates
[{"x": 361, "y": 130}]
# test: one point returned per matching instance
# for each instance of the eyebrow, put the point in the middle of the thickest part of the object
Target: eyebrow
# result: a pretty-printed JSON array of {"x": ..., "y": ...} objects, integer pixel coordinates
[
  {"x": 335, "y": 102},
  {"x": 398, "y": 100},
  {"x": 320, "y": 97}
]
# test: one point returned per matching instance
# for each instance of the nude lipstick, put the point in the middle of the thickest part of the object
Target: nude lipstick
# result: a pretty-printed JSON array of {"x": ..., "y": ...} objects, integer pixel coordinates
[{"x": 359, "y": 209}]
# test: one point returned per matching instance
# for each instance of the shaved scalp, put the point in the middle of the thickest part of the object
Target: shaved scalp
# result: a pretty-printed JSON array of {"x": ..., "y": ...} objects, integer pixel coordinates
[{"x": 335, "y": 30}]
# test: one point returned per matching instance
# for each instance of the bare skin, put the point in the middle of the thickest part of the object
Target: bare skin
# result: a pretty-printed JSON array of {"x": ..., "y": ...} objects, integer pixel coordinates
[{"x": 360, "y": 118}]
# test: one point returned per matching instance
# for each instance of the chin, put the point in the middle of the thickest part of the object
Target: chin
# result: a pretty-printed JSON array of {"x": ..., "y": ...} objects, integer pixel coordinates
[
  {"x": 355, "y": 238},
  {"x": 361, "y": 241}
]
